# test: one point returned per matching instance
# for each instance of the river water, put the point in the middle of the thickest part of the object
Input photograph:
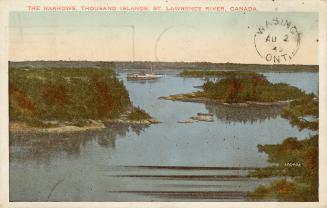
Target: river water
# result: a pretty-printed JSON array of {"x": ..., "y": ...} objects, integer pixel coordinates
[{"x": 170, "y": 161}]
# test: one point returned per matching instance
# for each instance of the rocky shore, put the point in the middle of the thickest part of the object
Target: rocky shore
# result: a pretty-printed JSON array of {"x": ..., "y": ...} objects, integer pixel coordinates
[
  {"x": 21, "y": 127},
  {"x": 193, "y": 97},
  {"x": 71, "y": 127}
]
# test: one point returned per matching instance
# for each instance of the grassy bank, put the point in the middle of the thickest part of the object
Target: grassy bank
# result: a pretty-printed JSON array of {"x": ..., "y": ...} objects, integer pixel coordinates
[{"x": 39, "y": 96}]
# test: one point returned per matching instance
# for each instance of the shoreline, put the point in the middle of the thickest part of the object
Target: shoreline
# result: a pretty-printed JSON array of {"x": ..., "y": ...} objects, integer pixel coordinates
[
  {"x": 118, "y": 65},
  {"x": 191, "y": 97},
  {"x": 24, "y": 128}
]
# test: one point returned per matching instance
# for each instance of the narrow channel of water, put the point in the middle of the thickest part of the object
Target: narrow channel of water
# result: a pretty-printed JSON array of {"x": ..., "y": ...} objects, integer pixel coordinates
[{"x": 170, "y": 161}]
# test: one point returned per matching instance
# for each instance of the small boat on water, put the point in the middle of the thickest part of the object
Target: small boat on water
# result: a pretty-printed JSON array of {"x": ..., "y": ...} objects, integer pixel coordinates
[
  {"x": 208, "y": 117},
  {"x": 143, "y": 75}
]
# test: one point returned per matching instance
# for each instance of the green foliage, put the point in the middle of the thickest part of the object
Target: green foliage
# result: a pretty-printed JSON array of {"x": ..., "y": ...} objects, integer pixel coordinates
[
  {"x": 236, "y": 89},
  {"x": 65, "y": 94},
  {"x": 137, "y": 114},
  {"x": 285, "y": 190},
  {"x": 307, "y": 106},
  {"x": 293, "y": 158},
  {"x": 304, "y": 153}
]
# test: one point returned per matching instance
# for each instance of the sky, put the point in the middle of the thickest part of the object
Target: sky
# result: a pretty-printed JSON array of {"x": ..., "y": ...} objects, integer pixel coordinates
[{"x": 151, "y": 36}]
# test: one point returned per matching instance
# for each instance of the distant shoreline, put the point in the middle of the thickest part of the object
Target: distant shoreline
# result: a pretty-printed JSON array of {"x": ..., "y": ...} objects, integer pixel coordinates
[{"x": 118, "y": 65}]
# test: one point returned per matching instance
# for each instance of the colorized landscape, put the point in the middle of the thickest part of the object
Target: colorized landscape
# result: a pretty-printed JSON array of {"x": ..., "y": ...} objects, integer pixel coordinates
[
  {"x": 85, "y": 132},
  {"x": 148, "y": 106}
]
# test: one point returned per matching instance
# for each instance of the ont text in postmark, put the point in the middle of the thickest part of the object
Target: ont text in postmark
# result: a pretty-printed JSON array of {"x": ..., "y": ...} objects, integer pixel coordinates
[{"x": 277, "y": 40}]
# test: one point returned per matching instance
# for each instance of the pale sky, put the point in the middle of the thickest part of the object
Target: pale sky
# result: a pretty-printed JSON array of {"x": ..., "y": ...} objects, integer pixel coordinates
[{"x": 150, "y": 36}]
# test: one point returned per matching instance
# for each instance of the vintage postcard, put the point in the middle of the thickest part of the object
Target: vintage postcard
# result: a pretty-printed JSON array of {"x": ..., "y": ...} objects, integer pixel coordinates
[{"x": 106, "y": 102}]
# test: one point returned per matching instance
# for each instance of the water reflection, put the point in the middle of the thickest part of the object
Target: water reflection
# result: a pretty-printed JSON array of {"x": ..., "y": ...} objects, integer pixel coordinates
[
  {"x": 87, "y": 161},
  {"x": 235, "y": 113},
  {"x": 42, "y": 146},
  {"x": 143, "y": 81}
]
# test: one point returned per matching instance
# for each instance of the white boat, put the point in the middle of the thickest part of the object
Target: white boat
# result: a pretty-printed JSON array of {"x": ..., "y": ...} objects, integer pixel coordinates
[{"x": 143, "y": 75}]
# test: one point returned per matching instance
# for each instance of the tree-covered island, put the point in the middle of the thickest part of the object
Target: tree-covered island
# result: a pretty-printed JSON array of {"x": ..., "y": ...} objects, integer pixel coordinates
[
  {"x": 239, "y": 88},
  {"x": 68, "y": 100}
]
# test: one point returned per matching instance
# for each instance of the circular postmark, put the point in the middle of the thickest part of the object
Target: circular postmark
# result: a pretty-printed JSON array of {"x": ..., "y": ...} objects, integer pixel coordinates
[{"x": 277, "y": 40}]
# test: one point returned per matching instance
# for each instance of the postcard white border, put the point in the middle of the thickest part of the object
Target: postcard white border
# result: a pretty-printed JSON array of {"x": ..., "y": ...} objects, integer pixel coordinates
[{"x": 277, "y": 5}]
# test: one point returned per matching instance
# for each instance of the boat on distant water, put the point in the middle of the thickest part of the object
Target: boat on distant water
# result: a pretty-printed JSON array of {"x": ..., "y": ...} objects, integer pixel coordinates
[{"x": 143, "y": 75}]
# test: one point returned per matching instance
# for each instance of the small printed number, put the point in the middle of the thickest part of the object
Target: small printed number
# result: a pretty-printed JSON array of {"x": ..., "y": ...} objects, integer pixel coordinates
[{"x": 285, "y": 38}]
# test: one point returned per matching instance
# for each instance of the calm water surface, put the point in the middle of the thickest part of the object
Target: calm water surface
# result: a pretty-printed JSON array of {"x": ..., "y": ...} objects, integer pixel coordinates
[{"x": 170, "y": 161}]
